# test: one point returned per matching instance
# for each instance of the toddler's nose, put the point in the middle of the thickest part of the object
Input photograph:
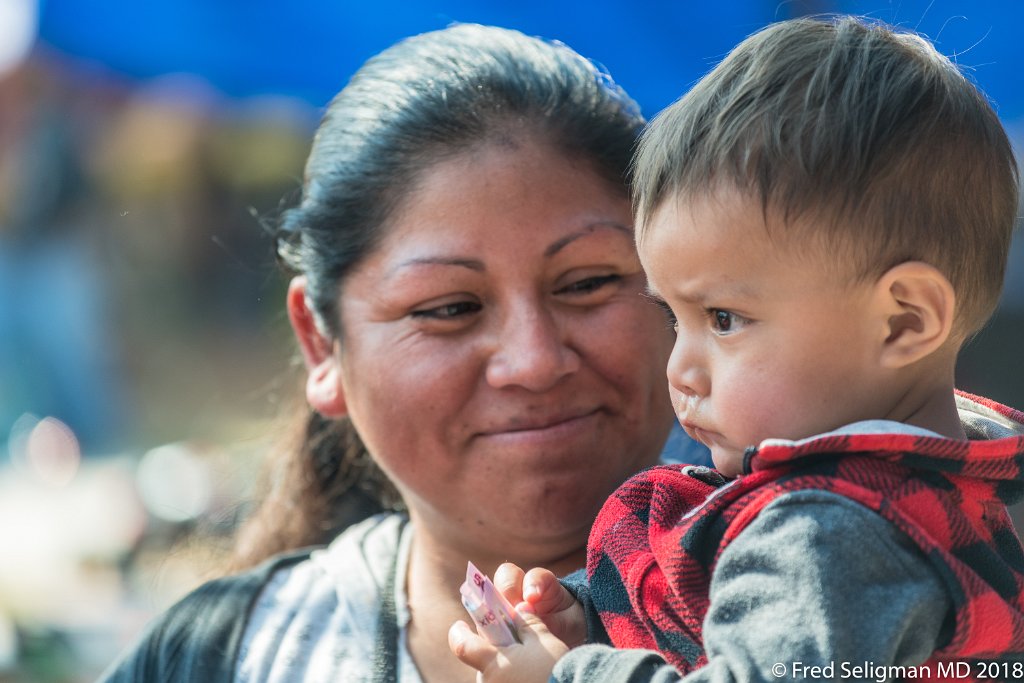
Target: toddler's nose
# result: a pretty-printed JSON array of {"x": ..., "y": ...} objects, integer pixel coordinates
[{"x": 686, "y": 370}]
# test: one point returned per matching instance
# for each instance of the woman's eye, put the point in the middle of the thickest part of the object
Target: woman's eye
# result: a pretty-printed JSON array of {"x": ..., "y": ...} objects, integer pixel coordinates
[
  {"x": 448, "y": 311},
  {"x": 725, "y": 322},
  {"x": 590, "y": 284}
]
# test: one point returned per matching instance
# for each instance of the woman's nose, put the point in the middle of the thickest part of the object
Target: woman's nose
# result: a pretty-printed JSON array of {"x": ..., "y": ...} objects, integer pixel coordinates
[
  {"x": 532, "y": 351},
  {"x": 687, "y": 371}
]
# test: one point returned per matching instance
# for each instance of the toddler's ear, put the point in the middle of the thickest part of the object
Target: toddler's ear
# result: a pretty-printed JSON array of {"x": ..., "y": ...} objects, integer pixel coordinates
[
  {"x": 323, "y": 385},
  {"x": 918, "y": 302}
]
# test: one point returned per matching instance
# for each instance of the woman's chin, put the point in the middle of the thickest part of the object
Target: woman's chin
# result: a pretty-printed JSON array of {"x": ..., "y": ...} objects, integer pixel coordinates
[{"x": 552, "y": 515}]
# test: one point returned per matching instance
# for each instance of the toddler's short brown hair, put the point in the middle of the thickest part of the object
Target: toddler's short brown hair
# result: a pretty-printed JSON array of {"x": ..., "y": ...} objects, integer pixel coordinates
[{"x": 869, "y": 136}]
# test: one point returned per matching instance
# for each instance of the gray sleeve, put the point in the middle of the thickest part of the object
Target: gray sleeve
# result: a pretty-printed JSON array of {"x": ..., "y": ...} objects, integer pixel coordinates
[
  {"x": 577, "y": 584},
  {"x": 816, "y": 579}
]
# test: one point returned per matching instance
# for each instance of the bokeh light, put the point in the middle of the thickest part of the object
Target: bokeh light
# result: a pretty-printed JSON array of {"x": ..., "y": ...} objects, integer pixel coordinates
[
  {"x": 174, "y": 483},
  {"x": 46, "y": 449},
  {"x": 18, "y": 24}
]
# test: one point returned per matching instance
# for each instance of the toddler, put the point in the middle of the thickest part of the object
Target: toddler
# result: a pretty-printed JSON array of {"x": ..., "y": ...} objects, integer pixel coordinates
[{"x": 826, "y": 217}]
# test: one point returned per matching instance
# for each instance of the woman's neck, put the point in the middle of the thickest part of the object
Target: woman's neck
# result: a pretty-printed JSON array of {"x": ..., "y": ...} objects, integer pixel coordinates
[
  {"x": 432, "y": 585},
  {"x": 434, "y": 605}
]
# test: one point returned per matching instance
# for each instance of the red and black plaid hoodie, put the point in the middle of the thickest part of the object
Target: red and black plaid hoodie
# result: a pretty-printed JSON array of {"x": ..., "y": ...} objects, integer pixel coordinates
[{"x": 664, "y": 529}]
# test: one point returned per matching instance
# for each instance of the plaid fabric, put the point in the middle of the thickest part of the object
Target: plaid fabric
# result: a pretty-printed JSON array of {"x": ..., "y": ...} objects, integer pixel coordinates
[{"x": 654, "y": 545}]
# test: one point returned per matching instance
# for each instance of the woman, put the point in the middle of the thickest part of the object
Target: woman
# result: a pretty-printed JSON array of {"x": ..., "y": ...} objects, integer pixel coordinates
[{"x": 468, "y": 305}]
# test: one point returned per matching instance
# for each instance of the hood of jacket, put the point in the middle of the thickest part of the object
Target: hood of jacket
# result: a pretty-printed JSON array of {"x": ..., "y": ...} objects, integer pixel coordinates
[{"x": 993, "y": 453}]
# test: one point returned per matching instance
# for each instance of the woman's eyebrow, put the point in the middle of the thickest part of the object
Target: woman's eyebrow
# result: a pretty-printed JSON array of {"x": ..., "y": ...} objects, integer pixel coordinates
[
  {"x": 472, "y": 264},
  {"x": 560, "y": 243},
  {"x": 477, "y": 265}
]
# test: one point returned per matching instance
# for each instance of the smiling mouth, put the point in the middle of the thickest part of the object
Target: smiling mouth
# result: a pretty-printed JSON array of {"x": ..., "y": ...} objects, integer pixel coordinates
[{"x": 540, "y": 426}]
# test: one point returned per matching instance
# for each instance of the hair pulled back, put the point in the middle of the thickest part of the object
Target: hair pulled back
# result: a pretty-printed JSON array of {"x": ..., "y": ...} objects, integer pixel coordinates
[{"x": 425, "y": 99}]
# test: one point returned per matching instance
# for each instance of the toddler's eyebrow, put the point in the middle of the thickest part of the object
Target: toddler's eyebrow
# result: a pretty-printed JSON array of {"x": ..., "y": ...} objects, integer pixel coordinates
[
  {"x": 652, "y": 293},
  {"x": 741, "y": 291}
]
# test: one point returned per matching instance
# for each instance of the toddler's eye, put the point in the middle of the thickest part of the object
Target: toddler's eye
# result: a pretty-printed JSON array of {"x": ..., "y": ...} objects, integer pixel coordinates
[{"x": 725, "y": 322}]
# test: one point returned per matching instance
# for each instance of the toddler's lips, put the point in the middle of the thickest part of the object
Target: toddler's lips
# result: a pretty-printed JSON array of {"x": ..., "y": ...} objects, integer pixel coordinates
[{"x": 697, "y": 433}]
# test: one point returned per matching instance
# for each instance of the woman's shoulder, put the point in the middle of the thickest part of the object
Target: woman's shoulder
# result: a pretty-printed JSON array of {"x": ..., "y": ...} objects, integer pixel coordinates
[
  {"x": 372, "y": 543},
  {"x": 321, "y": 616},
  {"x": 200, "y": 637},
  {"x": 189, "y": 640},
  {"x": 350, "y": 572}
]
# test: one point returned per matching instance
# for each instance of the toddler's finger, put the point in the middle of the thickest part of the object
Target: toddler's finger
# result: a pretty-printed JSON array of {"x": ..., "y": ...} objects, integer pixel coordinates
[
  {"x": 543, "y": 591},
  {"x": 531, "y": 627},
  {"x": 508, "y": 579},
  {"x": 470, "y": 647}
]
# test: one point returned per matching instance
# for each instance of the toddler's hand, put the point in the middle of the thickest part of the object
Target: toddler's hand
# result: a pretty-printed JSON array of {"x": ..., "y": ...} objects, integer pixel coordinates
[
  {"x": 531, "y": 660},
  {"x": 555, "y": 605},
  {"x": 547, "y": 598}
]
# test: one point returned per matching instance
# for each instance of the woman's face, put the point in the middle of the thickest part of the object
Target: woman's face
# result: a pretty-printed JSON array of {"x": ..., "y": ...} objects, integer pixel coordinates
[{"x": 497, "y": 355}]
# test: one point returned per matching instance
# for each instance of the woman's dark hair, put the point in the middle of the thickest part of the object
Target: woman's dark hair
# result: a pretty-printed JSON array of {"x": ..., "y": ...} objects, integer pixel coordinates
[{"x": 422, "y": 100}]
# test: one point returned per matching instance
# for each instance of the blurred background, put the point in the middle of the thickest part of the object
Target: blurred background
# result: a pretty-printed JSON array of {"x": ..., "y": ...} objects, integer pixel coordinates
[{"x": 145, "y": 361}]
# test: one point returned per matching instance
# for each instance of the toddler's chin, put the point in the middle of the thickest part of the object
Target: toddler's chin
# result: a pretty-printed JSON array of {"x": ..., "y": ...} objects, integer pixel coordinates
[{"x": 727, "y": 461}]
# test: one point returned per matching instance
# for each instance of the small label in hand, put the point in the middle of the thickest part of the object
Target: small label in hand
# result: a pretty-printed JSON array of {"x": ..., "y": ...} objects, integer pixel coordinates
[{"x": 489, "y": 609}]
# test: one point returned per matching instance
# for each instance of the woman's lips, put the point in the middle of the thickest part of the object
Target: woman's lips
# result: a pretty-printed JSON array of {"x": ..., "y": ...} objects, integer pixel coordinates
[{"x": 541, "y": 427}]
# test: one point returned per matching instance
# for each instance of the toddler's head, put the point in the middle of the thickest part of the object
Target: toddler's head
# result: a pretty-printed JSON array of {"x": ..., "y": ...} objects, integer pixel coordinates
[{"x": 827, "y": 214}]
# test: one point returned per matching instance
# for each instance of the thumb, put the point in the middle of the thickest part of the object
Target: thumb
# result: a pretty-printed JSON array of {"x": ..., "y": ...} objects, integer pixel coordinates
[
  {"x": 470, "y": 647},
  {"x": 528, "y": 624},
  {"x": 533, "y": 632}
]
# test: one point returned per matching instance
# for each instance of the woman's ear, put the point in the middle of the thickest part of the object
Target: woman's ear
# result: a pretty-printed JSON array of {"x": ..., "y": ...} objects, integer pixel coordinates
[
  {"x": 324, "y": 391},
  {"x": 919, "y": 303}
]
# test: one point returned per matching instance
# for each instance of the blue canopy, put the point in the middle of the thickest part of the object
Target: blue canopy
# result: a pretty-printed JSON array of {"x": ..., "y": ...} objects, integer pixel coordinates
[{"x": 307, "y": 49}]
